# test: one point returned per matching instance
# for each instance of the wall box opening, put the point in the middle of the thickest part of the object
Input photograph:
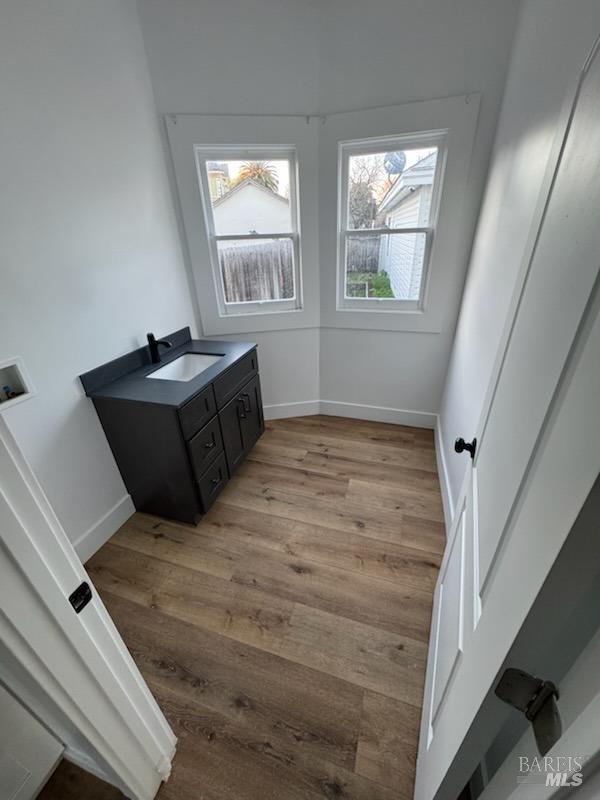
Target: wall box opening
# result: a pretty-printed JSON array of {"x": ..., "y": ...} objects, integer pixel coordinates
[{"x": 15, "y": 384}]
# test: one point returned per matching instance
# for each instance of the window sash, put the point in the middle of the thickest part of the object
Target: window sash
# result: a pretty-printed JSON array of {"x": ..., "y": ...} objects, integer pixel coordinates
[
  {"x": 383, "y": 303},
  {"x": 254, "y": 153},
  {"x": 365, "y": 147}
]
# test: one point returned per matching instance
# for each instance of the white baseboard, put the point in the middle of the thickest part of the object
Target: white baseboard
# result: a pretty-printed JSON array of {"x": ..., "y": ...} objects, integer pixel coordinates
[
  {"x": 333, "y": 408},
  {"x": 447, "y": 500},
  {"x": 101, "y": 531},
  {"x": 304, "y": 408},
  {"x": 397, "y": 416}
]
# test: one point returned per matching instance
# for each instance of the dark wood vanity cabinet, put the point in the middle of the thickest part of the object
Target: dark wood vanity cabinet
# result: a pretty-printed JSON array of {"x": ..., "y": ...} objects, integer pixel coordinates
[{"x": 176, "y": 461}]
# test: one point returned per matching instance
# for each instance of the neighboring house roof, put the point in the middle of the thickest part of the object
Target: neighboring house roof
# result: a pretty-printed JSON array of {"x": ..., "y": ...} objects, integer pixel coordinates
[
  {"x": 244, "y": 184},
  {"x": 420, "y": 174}
]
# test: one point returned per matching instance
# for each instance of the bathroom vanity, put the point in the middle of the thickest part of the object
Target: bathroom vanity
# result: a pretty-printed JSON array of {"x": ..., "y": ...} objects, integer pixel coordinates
[{"x": 179, "y": 428}]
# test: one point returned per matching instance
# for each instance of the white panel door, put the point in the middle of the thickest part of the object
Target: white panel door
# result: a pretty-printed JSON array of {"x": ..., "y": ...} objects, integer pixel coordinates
[{"x": 523, "y": 492}]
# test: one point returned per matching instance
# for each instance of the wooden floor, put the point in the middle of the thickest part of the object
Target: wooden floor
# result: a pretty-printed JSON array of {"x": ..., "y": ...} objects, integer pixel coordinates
[{"x": 285, "y": 637}]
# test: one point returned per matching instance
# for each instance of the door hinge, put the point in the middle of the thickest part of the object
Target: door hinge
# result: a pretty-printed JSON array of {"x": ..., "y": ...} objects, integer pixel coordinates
[{"x": 537, "y": 700}]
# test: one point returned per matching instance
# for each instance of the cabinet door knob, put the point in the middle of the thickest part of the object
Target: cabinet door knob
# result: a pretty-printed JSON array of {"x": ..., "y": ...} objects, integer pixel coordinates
[
  {"x": 210, "y": 445},
  {"x": 460, "y": 446}
]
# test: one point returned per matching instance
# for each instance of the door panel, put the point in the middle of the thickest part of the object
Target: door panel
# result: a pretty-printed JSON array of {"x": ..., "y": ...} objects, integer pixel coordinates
[
  {"x": 449, "y": 634},
  {"x": 557, "y": 289}
]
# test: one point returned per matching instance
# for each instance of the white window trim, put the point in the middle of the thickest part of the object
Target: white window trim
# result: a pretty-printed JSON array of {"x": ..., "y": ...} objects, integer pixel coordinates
[
  {"x": 187, "y": 133},
  {"x": 204, "y": 153},
  {"x": 456, "y": 215},
  {"x": 346, "y": 150}
]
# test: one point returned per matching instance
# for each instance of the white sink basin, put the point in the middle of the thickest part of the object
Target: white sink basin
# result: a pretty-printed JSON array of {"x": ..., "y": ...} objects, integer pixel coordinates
[{"x": 186, "y": 367}]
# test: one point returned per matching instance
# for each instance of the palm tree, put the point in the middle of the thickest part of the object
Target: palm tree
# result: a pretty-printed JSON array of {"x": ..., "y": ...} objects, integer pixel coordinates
[{"x": 260, "y": 171}]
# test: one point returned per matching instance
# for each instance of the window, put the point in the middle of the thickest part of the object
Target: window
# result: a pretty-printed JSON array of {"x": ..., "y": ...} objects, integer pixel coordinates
[
  {"x": 249, "y": 197},
  {"x": 388, "y": 200}
]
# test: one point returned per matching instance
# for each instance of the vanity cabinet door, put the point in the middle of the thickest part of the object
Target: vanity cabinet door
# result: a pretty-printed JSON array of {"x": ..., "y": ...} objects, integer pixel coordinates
[
  {"x": 233, "y": 438},
  {"x": 242, "y": 422},
  {"x": 252, "y": 420}
]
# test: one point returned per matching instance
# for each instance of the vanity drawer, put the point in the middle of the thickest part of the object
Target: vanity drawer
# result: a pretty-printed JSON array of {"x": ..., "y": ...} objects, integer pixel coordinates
[
  {"x": 212, "y": 482},
  {"x": 227, "y": 385},
  {"x": 205, "y": 446},
  {"x": 197, "y": 412}
]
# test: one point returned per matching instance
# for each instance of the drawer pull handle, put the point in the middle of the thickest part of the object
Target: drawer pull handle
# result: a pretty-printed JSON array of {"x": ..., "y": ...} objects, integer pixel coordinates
[
  {"x": 210, "y": 445},
  {"x": 241, "y": 413},
  {"x": 246, "y": 397}
]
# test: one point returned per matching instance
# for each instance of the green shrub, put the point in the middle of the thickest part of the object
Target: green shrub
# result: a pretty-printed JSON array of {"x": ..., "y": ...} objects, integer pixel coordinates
[{"x": 380, "y": 286}]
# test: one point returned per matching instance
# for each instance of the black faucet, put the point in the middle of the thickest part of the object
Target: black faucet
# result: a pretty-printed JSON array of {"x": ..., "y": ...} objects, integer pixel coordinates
[{"x": 153, "y": 345}]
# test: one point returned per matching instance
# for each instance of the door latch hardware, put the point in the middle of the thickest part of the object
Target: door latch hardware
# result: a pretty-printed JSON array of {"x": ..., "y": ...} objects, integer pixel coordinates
[
  {"x": 460, "y": 446},
  {"x": 537, "y": 700},
  {"x": 81, "y": 597}
]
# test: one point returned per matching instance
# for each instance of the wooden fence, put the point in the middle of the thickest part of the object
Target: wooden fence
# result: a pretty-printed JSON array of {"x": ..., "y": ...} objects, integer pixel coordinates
[{"x": 262, "y": 270}]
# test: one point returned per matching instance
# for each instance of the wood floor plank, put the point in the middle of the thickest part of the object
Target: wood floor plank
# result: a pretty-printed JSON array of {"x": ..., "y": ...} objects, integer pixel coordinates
[
  {"x": 235, "y": 763},
  {"x": 390, "y": 497},
  {"x": 239, "y": 612},
  {"x": 370, "y": 452},
  {"x": 384, "y": 662},
  {"x": 295, "y": 480},
  {"x": 387, "y": 748},
  {"x": 307, "y": 713},
  {"x": 344, "y": 467},
  {"x": 391, "y": 606},
  {"x": 387, "y": 560},
  {"x": 276, "y": 454},
  {"x": 363, "y": 429},
  {"x": 343, "y": 515},
  {"x": 69, "y": 782}
]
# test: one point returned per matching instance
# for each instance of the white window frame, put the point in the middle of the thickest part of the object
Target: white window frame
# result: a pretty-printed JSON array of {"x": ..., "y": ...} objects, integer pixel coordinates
[
  {"x": 185, "y": 132},
  {"x": 204, "y": 153},
  {"x": 348, "y": 149},
  {"x": 458, "y": 208}
]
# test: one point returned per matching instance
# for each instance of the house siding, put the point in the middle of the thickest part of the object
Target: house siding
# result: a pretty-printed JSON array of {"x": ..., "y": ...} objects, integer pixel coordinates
[
  {"x": 401, "y": 255},
  {"x": 250, "y": 209}
]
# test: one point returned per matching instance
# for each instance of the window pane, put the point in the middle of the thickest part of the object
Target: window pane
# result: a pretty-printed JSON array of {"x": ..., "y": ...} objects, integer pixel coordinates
[
  {"x": 257, "y": 269},
  {"x": 391, "y": 189},
  {"x": 387, "y": 266},
  {"x": 250, "y": 196}
]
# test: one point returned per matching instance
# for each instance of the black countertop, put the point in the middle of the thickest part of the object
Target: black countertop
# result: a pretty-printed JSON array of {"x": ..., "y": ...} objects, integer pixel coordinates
[{"x": 125, "y": 378}]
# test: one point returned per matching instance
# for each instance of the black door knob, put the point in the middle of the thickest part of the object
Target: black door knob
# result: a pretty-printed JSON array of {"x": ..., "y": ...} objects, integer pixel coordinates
[{"x": 460, "y": 446}]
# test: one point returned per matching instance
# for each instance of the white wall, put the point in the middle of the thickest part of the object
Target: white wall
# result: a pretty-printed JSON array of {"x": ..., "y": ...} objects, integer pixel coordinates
[
  {"x": 537, "y": 83},
  {"x": 232, "y": 56},
  {"x": 296, "y": 56},
  {"x": 90, "y": 255}
]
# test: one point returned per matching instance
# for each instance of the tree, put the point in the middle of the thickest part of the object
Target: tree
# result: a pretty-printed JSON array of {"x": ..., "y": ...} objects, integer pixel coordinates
[
  {"x": 362, "y": 206},
  {"x": 260, "y": 171},
  {"x": 367, "y": 175}
]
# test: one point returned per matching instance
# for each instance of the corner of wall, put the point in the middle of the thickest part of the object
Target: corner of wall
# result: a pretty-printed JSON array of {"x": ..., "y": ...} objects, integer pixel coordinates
[{"x": 100, "y": 532}]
